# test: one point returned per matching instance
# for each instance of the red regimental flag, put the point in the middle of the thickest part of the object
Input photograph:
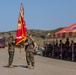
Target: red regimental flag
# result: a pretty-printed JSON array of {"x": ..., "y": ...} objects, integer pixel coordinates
[{"x": 21, "y": 29}]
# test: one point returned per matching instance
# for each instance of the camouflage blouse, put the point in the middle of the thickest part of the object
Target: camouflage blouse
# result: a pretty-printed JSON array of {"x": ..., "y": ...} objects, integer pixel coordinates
[{"x": 29, "y": 45}]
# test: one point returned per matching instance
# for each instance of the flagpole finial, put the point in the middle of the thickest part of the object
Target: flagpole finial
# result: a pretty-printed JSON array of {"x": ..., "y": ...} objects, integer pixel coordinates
[
  {"x": 21, "y": 4},
  {"x": 21, "y": 10}
]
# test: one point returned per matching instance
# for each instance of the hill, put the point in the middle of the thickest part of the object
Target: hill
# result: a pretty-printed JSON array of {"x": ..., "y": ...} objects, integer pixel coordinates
[
  {"x": 39, "y": 35},
  {"x": 36, "y": 33}
]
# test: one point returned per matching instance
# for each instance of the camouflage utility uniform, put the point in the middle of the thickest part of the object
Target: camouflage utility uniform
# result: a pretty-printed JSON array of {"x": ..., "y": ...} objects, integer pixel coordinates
[
  {"x": 11, "y": 51},
  {"x": 29, "y": 52}
]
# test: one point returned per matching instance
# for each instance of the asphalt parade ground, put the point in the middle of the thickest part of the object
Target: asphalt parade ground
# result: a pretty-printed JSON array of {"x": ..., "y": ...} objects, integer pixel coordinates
[{"x": 43, "y": 65}]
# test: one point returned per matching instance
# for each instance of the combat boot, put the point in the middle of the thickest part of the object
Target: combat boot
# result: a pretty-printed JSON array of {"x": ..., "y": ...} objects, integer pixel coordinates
[
  {"x": 32, "y": 67},
  {"x": 29, "y": 66},
  {"x": 10, "y": 66}
]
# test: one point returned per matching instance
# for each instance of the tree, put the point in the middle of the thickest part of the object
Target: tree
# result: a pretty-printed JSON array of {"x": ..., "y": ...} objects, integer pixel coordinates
[{"x": 43, "y": 36}]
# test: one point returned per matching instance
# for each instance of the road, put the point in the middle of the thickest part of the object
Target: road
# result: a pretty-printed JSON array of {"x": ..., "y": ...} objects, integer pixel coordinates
[{"x": 43, "y": 65}]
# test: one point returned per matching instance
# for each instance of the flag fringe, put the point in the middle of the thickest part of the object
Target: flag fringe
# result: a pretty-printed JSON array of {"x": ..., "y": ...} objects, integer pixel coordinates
[{"x": 20, "y": 41}]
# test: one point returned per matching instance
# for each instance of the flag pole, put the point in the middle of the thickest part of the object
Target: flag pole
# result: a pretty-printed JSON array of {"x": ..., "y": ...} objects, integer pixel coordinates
[
  {"x": 21, "y": 28},
  {"x": 20, "y": 48}
]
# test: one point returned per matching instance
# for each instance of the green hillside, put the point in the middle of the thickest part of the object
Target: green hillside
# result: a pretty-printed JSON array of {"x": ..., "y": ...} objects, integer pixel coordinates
[
  {"x": 35, "y": 33},
  {"x": 39, "y": 35}
]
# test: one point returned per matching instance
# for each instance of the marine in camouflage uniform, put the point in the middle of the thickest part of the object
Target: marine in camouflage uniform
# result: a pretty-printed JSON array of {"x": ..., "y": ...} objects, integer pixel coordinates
[
  {"x": 30, "y": 46},
  {"x": 11, "y": 51}
]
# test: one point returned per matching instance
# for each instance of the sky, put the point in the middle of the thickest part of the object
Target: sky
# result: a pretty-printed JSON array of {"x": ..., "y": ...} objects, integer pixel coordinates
[{"x": 38, "y": 14}]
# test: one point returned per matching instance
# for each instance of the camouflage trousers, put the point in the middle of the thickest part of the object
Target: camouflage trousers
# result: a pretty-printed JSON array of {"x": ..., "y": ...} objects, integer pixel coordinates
[
  {"x": 30, "y": 58},
  {"x": 11, "y": 57}
]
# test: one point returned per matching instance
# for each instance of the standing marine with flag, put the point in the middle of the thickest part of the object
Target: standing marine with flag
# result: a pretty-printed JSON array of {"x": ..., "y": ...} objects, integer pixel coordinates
[
  {"x": 30, "y": 47},
  {"x": 21, "y": 35}
]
